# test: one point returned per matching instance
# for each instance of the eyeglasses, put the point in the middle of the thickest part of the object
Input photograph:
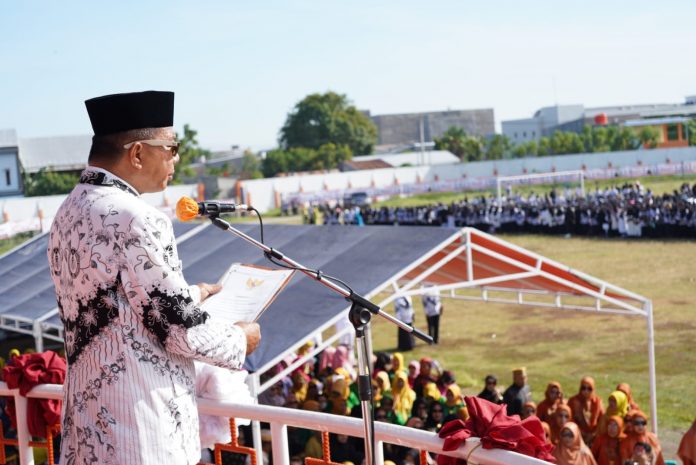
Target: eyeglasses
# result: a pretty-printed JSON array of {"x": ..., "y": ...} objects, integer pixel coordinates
[
  {"x": 640, "y": 422},
  {"x": 586, "y": 388},
  {"x": 567, "y": 434},
  {"x": 166, "y": 144}
]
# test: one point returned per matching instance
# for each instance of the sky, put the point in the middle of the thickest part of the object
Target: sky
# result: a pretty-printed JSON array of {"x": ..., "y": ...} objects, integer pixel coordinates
[{"x": 238, "y": 68}]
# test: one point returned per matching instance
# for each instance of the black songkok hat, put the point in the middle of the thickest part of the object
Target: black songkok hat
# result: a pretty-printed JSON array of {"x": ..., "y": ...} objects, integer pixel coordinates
[{"x": 137, "y": 110}]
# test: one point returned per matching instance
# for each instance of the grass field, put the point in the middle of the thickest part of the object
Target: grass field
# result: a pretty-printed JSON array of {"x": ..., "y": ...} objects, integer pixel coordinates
[
  {"x": 658, "y": 184},
  {"x": 479, "y": 338}
]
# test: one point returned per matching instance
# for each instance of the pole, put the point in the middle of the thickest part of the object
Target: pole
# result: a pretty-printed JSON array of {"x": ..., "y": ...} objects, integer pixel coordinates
[{"x": 651, "y": 365}]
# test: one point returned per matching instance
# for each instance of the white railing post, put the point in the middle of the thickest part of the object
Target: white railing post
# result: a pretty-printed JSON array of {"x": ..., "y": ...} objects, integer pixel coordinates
[
  {"x": 279, "y": 435},
  {"x": 26, "y": 456},
  {"x": 379, "y": 452}
]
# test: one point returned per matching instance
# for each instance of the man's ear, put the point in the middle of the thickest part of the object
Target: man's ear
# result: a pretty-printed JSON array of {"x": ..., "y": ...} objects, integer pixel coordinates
[{"x": 135, "y": 154}]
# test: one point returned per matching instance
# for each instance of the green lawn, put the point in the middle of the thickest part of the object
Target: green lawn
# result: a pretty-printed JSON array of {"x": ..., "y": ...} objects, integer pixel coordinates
[
  {"x": 478, "y": 338},
  {"x": 9, "y": 244},
  {"x": 658, "y": 184}
]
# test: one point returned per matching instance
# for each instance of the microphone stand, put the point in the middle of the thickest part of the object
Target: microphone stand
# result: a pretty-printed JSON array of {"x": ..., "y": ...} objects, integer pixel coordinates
[{"x": 360, "y": 314}]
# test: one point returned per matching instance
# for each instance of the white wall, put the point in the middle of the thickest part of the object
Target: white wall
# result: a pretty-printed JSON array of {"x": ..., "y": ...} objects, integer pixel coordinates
[
  {"x": 264, "y": 193},
  {"x": 20, "y": 214}
]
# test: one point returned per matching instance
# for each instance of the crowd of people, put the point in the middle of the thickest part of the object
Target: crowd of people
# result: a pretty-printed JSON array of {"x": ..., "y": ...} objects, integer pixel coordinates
[
  {"x": 629, "y": 210},
  {"x": 422, "y": 394}
]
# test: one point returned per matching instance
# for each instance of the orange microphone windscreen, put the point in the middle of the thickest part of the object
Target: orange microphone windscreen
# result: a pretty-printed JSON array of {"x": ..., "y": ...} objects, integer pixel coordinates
[{"x": 186, "y": 209}]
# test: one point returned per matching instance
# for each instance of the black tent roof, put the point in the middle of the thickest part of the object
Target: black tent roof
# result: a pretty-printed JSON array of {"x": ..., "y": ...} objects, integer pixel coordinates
[
  {"x": 365, "y": 258},
  {"x": 26, "y": 288}
]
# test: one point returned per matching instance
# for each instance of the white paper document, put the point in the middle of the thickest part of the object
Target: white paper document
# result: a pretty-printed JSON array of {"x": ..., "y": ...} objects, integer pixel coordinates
[{"x": 247, "y": 290}]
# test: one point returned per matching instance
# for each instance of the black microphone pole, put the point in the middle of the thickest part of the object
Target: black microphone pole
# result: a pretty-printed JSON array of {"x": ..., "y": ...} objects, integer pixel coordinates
[{"x": 361, "y": 311}]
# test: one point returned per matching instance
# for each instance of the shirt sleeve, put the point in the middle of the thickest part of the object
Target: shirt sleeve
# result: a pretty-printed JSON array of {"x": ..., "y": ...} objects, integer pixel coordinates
[{"x": 157, "y": 290}]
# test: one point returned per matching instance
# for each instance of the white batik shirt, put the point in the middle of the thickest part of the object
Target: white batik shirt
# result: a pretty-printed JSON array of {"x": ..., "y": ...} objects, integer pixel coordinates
[{"x": 132, "y": 330}]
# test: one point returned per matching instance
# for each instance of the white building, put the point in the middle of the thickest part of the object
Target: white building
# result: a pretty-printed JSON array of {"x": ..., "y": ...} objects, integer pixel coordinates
[{"x": 10, "y": 177}]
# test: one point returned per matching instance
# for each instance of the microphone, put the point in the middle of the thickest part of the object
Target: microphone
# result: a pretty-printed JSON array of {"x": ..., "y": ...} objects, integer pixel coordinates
[{"x": 187, "y": 208}]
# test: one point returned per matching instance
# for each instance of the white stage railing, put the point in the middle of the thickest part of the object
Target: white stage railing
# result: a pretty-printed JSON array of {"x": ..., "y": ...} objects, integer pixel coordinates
[{"x": 280, "y": 418}]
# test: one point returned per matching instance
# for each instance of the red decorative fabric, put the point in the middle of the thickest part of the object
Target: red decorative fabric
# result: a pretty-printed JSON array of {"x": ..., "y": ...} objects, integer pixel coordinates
[
  {"x": 25, "y": 372},
  {"x": 497, "y": 430}
]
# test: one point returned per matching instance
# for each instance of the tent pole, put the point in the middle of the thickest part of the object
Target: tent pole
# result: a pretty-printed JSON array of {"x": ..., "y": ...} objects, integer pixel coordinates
[{"x": 651, "y": 364}]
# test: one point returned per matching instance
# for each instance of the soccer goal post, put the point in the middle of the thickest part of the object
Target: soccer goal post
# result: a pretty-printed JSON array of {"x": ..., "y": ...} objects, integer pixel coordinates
[{"x": 541, "y": 178}]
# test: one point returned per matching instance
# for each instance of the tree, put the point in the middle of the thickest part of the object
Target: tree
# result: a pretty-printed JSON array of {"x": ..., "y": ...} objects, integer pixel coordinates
[
  {"x": 189, "y": 152},
  {"x": 498, "y": 147},
  {"x": 544, "y": 148},
  {"x": 329, "y": 156},
  {"x": 454, "y": 140},
  {"x": 276, "y": 161},
  {"x": 691, "y": 128},
  {"x": 251, "y": 166},
  {"x": 649, "y": 136},
  {"x": 625, "y": 140},
  {"x": 320, "y": 119},
  {"x": 45, "y": 182}
]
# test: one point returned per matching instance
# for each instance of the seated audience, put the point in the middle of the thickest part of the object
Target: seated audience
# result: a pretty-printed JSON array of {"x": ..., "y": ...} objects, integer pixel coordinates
[
  {"x": 529, "y": 409},
  {"x": 490, "y": 391},
  {"x": 587, "y": 408},
  {"x": 571, "y": 449},
  {"x": 606, "y": 447},
  {"x": 553, "y": 397},
  {"x": 687, "y": 446},
  {"x": 640, "y": 433}
]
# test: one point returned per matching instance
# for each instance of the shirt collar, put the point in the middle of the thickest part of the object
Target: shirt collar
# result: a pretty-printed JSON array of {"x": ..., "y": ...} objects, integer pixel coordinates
[{"x": 101, "y": 177}]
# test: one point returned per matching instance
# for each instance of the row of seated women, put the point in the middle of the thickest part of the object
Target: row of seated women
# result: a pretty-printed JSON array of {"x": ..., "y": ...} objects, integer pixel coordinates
[{"x": 614, "y": 436}]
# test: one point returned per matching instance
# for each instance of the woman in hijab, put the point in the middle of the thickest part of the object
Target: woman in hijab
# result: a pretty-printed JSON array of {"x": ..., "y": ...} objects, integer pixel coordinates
[
  {"x": 687, "y": 446},
  {"x": 626, "y": 389},
  {"x": 528, "y": 409},
  {"x": 587, "y": 408},
  {"x": 397, "y": 365},
  {"x": 452, "y": 401},
  {"x": 403, "y": 397},
  {"x": 413, "y": 372},
  {"x": 432, "y": 394},
  {"x": 571, "y": 450},
  {"x": 639, "y": 433},
  {"x": 618, "y": 406},
  {"x": 560, "y": 417},
  {"x": 553, "y": 397},
  {"x": 606, "y": 447},
  {"x": 382, "y": 386},
  {"x": 436, "y": 417}
]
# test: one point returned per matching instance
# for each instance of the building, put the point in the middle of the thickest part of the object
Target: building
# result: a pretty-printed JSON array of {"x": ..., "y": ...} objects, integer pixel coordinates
[
  {"x": 20, "y": 156},
  {"x": 573, "y": 118},
  {"x": 672, "y": 132},
  {"x": 10, "y": 174},
  {"x": 406, "y": 129}
]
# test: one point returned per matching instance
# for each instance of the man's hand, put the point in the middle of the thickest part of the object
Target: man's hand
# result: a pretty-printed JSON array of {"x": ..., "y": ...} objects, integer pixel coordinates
[
  {"x": 208, "y": 289},
  {"x": 253, "y": 335}
]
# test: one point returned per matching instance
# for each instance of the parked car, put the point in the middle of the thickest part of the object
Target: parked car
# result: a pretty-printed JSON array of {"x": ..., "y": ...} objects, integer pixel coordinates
[{"x": 356, "y": 199}]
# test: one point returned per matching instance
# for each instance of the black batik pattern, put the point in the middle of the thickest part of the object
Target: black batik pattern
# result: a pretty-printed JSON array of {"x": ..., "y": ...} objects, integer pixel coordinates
[
  {"x": 99, "y": 178},
  {"x": 162, "y": 311},
  {"x": 94, "y": 315}
]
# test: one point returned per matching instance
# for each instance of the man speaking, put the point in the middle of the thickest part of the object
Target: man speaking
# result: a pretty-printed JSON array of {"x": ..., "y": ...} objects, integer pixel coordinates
[{"x": 132, "y": 324}]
